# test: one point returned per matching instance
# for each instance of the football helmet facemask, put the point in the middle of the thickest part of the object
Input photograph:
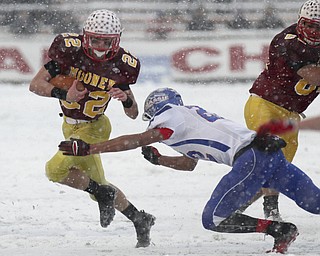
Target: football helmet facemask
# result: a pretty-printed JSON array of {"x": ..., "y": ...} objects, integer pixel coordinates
[
  {"x": 158, "y": 99},
  {"x": 101, "y": 35},
  {"x": 308, "y": 26}
]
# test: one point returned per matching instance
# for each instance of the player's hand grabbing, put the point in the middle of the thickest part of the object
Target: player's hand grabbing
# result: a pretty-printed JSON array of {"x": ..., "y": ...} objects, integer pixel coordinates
[
  {"x": 118, "y": 94},
  {"x": 74, "y": 147},
  {"x": 269, "y": 143},
  {"x": 277, "y": 126},
  {"x": 74, "y": 94},
  {"x": 151, "y": 154}
]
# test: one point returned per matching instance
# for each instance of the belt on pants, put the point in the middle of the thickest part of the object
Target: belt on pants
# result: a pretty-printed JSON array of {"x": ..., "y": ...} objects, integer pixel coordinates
[
  {"x": 241, "y": 151},
  {"x": 70, "y": 120}
]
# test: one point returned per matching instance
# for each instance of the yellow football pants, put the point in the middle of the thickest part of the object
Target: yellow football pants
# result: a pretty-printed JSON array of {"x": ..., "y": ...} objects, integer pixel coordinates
[
  {"x": 258, "y": 111},
  {"x": 57, "y": 168}
]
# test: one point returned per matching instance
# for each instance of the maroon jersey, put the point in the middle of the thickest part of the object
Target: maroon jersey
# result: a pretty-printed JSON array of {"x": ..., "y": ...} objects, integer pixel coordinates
[
  {"x": 279, "y": 82},
  {"x": 97, "y": 77}
]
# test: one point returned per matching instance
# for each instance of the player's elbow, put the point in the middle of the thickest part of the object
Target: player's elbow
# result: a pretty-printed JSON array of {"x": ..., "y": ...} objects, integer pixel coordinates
[
  {"x": 132, "y": 114},
  {"x": 32, "y": 86},
  {"x": 189, "y": 164},
  {"x": 191, "y": 167}
]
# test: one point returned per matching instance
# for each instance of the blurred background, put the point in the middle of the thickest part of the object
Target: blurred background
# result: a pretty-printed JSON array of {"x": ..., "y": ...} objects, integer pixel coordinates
[
  {"x": 176, "y": 40},
  {"x": 214, "y": 48},
  {"x": 147, "y": 19}
]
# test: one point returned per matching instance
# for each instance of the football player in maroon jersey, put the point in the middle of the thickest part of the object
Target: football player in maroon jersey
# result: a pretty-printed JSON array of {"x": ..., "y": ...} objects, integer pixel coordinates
[
  {"x": 255, "y": 157},
  {"x": 288, "y": 85},
  {"x": 106, "y": 71}
]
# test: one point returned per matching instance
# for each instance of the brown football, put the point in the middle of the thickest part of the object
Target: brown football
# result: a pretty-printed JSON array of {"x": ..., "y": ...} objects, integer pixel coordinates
[{"x": 64, "y": 82}]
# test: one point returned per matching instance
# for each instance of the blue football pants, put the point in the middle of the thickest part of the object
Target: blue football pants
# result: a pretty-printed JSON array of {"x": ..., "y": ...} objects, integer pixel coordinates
[{"x": 251, "y": 171}]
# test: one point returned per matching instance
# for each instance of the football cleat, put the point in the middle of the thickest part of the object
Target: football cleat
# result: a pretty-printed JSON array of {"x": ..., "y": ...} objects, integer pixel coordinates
[
  {"x": 143, "y": 223},
  {"x": 273, "y": 215},
  {"x": 105, "y": 198},
  {"x": 271, "y": 209},
  {"x": 284, "y": 234}
]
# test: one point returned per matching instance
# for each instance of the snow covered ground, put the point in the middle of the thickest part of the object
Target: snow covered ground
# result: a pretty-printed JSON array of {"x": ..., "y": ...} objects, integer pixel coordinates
[{"x": 40, "y": 218}]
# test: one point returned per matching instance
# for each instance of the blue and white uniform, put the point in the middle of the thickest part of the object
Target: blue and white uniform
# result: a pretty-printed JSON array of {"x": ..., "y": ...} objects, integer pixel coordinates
[{"x": 202, "y": 135}]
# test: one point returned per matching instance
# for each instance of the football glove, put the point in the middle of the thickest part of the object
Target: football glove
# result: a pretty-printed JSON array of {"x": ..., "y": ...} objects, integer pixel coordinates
[
  {"x": 277, "y": 126},
  {"x": 151, "y": 154},
  {"x": 74, "y": 147},
  {"x": 269, "y": 143}
]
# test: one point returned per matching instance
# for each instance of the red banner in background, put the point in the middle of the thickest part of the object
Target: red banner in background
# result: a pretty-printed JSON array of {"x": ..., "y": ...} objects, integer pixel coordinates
[{"x": 180, "y": 61}]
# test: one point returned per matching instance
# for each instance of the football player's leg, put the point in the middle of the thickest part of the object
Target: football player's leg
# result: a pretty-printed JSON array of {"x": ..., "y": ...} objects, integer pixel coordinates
[
  {"x": 57, "y": 168},
  {"x": 251, "y": 201},
  {"x": 296, "y": 184},
  {"x": 142, "y": 221},
  {"x": 290, "y": 149},
  {"x": 271, "y": 196},
  {"x": 94, "y": 132},
  {"x": 237, "y": 187},
  {"x": 71, "y": 171},
  {"x": 67, "y": 170},
  {"x": 284, "y": 233},
  {"x": 257, "y": 112}
]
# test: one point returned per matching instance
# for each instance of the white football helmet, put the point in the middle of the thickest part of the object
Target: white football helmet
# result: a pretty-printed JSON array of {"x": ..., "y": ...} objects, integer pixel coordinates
[
  {"x": 101, "y": 35},
  {"x": 308, "y": 26}
]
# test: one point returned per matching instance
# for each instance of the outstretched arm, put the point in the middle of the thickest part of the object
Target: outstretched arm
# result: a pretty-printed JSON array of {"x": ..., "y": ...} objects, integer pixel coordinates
[
  {"x": 40, "y": 83},
  {"x": 312, "y": 123},
  {"x": 310, "y": 73},
  {"x": 128, "y": 101},
  {"x": 78, "y": 147},
  {"x": 126, "y": 142},
  {"x": 182, "y": 163}
]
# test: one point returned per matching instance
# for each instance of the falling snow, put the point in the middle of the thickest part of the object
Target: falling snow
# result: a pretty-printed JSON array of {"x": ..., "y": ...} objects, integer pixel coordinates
[{"x": 40, "y": 218}]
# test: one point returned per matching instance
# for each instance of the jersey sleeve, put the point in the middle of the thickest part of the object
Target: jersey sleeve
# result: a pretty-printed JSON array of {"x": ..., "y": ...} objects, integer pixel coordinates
[
  {"x": 163, "y": 119},
  {"x": 63, "y": 47},
  {"x": 165, "y": 132},
  {"x": 129, "y": 69},
  {"x": 123, "y": 87},
  {"x": 295, "y": 58},
  {"x": 289, "y": 49}
]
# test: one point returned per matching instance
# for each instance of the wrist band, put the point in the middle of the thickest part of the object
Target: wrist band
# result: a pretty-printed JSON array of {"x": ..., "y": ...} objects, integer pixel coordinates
[
  {"x": 59, "y": 93},
  {"x": 127, "y": 103}
]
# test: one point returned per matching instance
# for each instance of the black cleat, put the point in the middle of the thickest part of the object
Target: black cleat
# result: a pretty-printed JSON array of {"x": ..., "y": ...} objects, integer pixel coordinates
[
  {"x": 273, "y": 215},
  {"x": 284, "y": 234},
  {"x": 105, "y": 198},
  {"x": 143, "y": 223},
  {"x": 271, "y": 208}
]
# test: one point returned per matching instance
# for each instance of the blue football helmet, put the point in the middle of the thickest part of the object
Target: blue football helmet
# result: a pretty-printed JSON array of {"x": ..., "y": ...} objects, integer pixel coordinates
[{"x": 158, "y": 99}]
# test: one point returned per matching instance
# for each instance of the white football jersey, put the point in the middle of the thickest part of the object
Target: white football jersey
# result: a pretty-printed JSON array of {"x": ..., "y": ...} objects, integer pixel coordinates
[{"x": 202, "y": 135}]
